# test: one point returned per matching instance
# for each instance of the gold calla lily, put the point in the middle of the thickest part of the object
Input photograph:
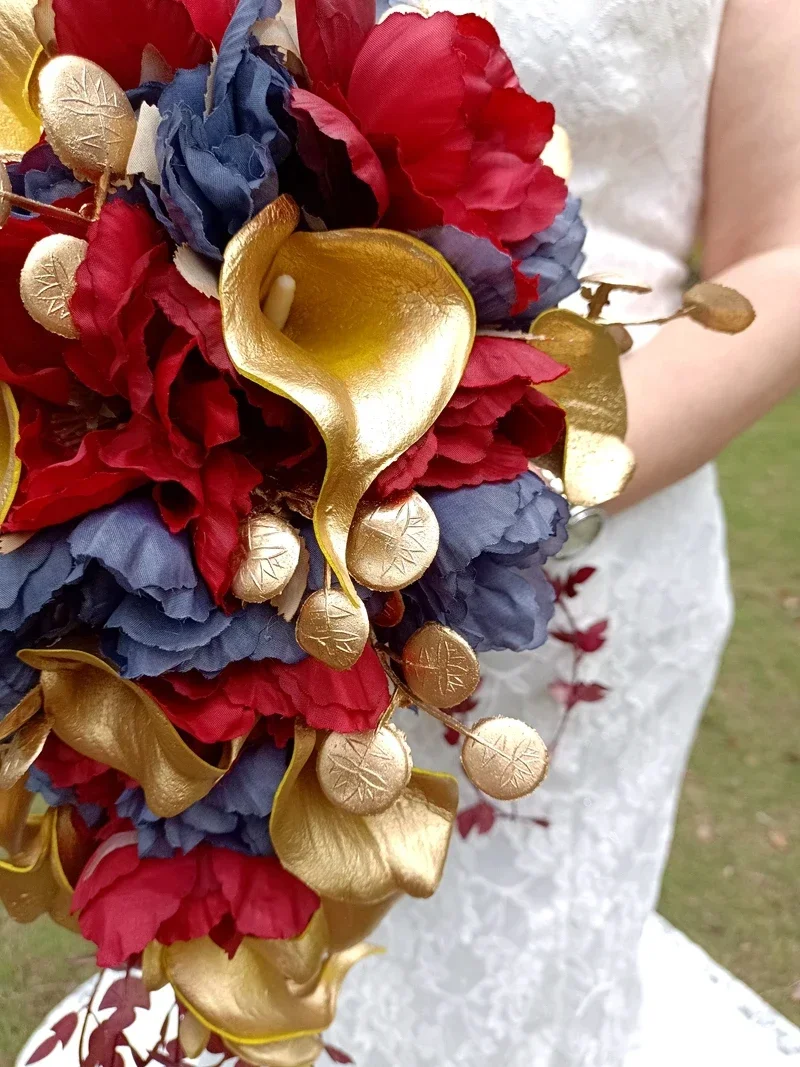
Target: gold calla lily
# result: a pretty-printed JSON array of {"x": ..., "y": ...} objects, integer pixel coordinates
[
  {"x": 38, "y": 878},
  {"x": 247, "y": 1000},
  {"x": 362, "y": 859},
  {"x": 377, "y": 340},
  {"x": 597, "y": 464},
  {"x": 10, "y": 466},
  {"x": 114, "y": 721},
  {"x": 19, "y": 47}
]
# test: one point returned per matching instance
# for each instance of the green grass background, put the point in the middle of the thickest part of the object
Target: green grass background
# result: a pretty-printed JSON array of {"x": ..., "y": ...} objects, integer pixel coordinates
[{"x": 733, "y": 882}]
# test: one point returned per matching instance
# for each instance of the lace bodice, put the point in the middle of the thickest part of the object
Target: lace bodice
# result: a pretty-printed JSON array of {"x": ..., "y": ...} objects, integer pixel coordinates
[{"x": 630, "y": 80}]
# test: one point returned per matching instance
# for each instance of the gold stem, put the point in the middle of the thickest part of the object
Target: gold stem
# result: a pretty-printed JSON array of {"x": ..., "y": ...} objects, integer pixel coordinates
[
  {"x": 101, "y": 193},
  {"x": 435, "y": 713},
  {"x": 42, "y": 209}
]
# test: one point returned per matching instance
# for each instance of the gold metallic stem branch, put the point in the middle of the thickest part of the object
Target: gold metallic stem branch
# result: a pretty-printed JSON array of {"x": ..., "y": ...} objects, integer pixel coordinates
[
  {"x": 398, "y": 701},
  {"x": 49, "y": 210},
  {"x": 447, "y": 720},
  {"x": 101, "y": 193}
]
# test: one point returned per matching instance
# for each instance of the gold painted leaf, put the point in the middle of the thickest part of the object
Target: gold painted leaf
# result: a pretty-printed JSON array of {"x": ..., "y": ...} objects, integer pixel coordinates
[
  {"x": 362, "y": 859},
  {"x": 15, "y": 803},
  {"x": 718, "y": 307},
  {"x": 297, "y": 1052},
  {"x": 19, "y": 46},
  {"x": 10, "y": 466},
  {"x": 114, "y": 721},
  {"x": 87, "y": 117},
  {"x": 247, "y": 1000},
  {"x": 377, "y": 341},
  {"x": 38, "y": 880},
  {"x": 597, "y": 464}
]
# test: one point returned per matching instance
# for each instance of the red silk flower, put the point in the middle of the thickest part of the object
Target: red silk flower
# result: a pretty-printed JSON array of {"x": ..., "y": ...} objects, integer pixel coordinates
[
  {"x": 432, "y": 116},
  {"x": 115, "y": 35},
  {"x": 494, "y": 423},
  {"x": 125, "y": 902},
  {"x": 221, "y": 708},
  {"x": 145, "y": 396}
]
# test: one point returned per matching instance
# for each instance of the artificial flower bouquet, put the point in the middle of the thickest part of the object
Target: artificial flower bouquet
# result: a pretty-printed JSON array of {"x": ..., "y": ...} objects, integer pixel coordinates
[{"x": 290, "y": 425}]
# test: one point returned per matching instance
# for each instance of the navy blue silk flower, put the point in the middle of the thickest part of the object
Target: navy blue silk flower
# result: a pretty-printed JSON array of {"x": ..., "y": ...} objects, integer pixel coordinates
[
  {"x": 122, "y": 574},
  {"x": 219, "y": 149},
  {"x": 487, "y": 580},
  {"x": 234, "y": 815},
  {"x": 554, "y": 256}
]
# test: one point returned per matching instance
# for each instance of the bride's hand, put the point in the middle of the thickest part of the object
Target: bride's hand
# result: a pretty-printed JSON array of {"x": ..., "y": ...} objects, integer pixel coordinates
[{"x": 691, "y": 391}]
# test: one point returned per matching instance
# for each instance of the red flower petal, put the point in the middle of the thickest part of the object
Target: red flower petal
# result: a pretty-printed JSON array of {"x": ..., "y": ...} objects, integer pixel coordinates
[
  {"x": 211, "y": 17},
  {"x": 317, "y": 115},
  {"x": 122, "y": 914},
  {"x": 116, "y": 35},
  {"x": 228, "y": 480},
  {"x": 109, "y": 309},
  {"x": 264, "y": 899},
  {"x": 66, "y": 490},
  {"x": 331, "y": 33},
  {"x": 496, "y": 359},
  {"x": 202, "y": 706},
  {"x": 502, "y": 463},
  {"x": 198, "y": 315},
  {"x": 346, "y": 701},
  {"x": 65, "y": 767}
]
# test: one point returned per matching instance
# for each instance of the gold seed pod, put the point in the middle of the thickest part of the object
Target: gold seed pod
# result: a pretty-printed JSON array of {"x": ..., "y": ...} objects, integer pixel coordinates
[
  {"x": 273, "y": 549},
  {"x": 331, "y": 628},
  {"x": 719, "y": 308},
  {"x": 5, "y": 187},
  {"x": 440, "y": 667},
  {"x": 47, "y": 282},
  {"x": 392, "y": 545},
  {"x": 87, "y": 117},
  {"x": 365, "y": 773},
  {"x": 505, "y": 758}
]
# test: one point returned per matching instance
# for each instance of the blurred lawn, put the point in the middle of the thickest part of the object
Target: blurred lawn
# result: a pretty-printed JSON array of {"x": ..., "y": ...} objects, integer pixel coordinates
[
  {"x": 733, "y": 882},
  {"x": 733, "y": 879}
]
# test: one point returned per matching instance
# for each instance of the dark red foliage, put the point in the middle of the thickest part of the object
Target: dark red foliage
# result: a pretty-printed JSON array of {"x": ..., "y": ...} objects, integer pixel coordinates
[
  {"x": 61, "y": 1032},
  {"x": 591, "y": 640},
  {"x": 337, "y": 1055},
  {"x": 481, "y": 817},
  {"x": 569, "y": 586},
  {"x": 568, "y": 694}
]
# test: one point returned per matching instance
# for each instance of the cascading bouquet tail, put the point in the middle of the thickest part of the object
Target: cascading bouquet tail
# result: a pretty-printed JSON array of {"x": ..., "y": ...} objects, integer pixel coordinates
[{"x": 290, "y": 425}]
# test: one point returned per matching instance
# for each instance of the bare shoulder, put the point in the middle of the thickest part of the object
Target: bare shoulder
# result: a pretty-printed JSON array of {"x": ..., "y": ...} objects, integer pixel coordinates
[{"x": 753, "y": 159}]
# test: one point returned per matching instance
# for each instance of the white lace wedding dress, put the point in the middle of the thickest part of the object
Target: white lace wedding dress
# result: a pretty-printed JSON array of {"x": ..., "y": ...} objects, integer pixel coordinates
[{"x": 526, "y": 957}]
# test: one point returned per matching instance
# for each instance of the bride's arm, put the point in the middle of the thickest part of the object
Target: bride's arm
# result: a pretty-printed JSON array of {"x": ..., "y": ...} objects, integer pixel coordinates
[{"x": 690, "y": 391}]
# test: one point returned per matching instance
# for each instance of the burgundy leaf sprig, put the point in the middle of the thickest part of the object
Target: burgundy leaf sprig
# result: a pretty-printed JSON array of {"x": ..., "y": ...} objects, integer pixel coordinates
[
  {"x": 481, "y": 817},
  {"x": 582, "y": 643}
]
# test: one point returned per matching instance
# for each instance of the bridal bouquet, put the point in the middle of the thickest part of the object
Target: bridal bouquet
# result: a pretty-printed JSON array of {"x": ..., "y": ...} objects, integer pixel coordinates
[{"x": 288, "y": 429}]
